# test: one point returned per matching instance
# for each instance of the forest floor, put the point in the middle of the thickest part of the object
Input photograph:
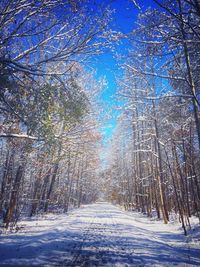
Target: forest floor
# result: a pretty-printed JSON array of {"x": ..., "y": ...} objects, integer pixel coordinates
[{"x": 99, "y": 234}]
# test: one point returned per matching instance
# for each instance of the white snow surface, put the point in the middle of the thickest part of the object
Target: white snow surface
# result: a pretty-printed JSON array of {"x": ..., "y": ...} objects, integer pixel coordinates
[{"x": 99, "y": 234}]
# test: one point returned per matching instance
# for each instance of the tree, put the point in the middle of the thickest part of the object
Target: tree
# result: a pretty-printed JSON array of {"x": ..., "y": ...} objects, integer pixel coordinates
[
  {"x": 44, "y": 100},
  {"x": 156, "y": 168}
]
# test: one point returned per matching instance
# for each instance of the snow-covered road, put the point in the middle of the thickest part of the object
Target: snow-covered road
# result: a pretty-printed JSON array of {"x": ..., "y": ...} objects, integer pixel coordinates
[{"x": 97, "y": 235}]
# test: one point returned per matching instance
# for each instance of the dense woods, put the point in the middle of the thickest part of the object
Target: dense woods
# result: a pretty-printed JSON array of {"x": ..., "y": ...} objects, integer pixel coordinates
[
  {"x": 49, "y": 134},
  {"x": 49, "y": 115},
  {"x": 155, "y": 149}
]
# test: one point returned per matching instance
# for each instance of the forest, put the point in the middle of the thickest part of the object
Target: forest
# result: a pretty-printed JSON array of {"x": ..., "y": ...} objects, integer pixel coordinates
[{"x": 52, "y": 112}]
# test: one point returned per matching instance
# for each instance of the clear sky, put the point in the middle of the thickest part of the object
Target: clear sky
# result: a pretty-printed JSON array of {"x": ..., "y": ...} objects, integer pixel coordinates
[{"x": 123, "y": 21}]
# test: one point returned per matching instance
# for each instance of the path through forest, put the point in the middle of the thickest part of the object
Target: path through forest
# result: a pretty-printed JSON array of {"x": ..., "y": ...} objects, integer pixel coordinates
[{"x": 99, "y": 234}]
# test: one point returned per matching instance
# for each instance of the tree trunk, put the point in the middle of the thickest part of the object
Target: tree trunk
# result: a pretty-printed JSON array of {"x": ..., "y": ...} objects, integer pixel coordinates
[
  {"x": 53, "y": 178},
  {"x": 13, "y": 200}
]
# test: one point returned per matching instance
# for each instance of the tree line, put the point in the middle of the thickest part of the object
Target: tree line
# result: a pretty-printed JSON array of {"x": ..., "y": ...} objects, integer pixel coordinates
[
  {"x": 49, "y": 137},
  {"x": 155, "y": 163},
  {"x": 49, "y": 131}
]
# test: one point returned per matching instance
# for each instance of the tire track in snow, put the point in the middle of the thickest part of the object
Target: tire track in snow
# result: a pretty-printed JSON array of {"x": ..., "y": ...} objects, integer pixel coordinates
[
  {"x": 94, "y": 233},
  {"x": 100, "y": 243},
  {"x": 79, "y": 259},
  {"x": 111, "y": 238}
]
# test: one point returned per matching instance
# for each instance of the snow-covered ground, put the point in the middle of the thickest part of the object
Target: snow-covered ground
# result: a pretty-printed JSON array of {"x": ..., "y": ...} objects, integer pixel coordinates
[{"x": 99, "y": 234}]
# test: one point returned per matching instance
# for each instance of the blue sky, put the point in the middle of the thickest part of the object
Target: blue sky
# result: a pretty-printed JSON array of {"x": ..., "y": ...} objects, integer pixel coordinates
[{"x": 123, "y": 21}]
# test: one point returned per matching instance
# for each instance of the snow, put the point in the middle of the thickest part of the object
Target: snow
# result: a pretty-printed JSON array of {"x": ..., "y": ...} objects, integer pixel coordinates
[{"x": 99, "y": 234}]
